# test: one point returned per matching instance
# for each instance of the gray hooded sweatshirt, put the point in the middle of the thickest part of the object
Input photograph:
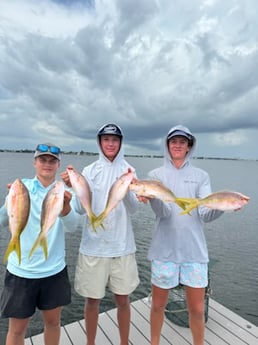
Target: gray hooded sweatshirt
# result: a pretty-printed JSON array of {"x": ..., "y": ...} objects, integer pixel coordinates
[{"x": 180, "y": 238}]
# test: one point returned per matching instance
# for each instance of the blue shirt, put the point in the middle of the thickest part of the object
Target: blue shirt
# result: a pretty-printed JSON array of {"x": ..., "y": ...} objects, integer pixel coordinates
[{"x": 37, "y": 266}]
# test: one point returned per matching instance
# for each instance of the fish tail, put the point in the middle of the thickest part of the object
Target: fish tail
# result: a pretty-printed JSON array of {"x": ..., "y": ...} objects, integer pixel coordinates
[
  {"x": 183, "y": 203},
  {"x": 44, "y": 246},
  {"x": 187, "y": 200},
  {"x": 188, "y": 207},
  {"x": 40, "y": 241},
  {"x": 92, "y": 217},
  {"x": 14, "y": 245},
  {"x": 98, "y": 221}
]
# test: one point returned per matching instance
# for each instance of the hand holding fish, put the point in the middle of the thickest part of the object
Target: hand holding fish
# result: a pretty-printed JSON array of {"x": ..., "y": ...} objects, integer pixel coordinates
[
  {"x": 141, "y": 198},
  {"x": 66, "y": 206},
  {"x": 65, "y": 176}
]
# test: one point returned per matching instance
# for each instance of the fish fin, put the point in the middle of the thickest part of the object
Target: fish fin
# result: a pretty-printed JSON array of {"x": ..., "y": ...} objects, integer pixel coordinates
[
  {"x": 40, "y": 241},
  {"x": 14, "y": 245}
]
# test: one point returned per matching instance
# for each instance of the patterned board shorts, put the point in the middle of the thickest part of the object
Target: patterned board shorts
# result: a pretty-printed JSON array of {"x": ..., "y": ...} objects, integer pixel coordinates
[{"x": 167, "y": 275}]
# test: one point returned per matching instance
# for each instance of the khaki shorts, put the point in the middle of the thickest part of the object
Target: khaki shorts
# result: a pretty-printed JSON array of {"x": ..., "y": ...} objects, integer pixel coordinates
[{"x": 93, "y": 274}]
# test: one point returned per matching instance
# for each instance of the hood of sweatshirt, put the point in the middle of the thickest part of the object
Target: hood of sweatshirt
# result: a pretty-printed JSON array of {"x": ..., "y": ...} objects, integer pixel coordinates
[
  {"x": 183, "y": 130},
  {"x": 119, "y": 156}
]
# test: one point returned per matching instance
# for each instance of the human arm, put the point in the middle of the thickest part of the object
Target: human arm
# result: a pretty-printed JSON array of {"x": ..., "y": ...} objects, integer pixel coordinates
[
  {"x": 160, "y": 208},
  {"x": 4, "y": 219}
]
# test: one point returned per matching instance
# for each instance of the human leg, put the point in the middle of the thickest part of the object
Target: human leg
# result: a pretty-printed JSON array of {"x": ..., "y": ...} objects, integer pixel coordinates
[
  {"x": 123, "y": 317},
  {"x": 16, "y": 331},
  {"x": 17, "y": 303},
  {"x": 158, "y": 305},
  {"x": 52, "y": 326},
  {"x": 91, "y": 314},
  {"x": 195, "y": 278},
  {"x": 123, "y": 281},
  {"x": 91, "y": 276},
  {"x": 164, "y": 276},
  {"x": 195, "y": 305},
  {"x": 54, "y": 293}
]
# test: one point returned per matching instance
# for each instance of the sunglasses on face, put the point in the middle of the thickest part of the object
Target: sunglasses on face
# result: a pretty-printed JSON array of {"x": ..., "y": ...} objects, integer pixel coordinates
[{"x": 46, "y": 148}]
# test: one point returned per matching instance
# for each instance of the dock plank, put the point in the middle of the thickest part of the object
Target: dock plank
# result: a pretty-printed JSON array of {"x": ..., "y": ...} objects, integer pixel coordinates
[
  {"x": 231, "y": 327},
  {"x": 169, "y": 332},
  {"x": 169, "y": 329},
  {"x": 76, "y": 333},
  {"x": 233, "y": 318},
  {"x": 223, "y": 327},
  {"x": 137, "y": 337},
  {"x": 101, "y": 337},
  {"x": 39, "y": 338},
  {"x": 109, "y": 328}
]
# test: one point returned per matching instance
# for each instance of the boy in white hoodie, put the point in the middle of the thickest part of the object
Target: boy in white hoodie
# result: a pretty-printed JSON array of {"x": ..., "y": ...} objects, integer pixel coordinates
[{"x": 107, "y": 257}]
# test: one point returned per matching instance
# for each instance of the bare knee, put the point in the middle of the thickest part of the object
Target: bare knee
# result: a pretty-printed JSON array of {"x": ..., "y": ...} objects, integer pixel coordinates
[
  {"x": 17, "y": 333},
  {"x": 158, "y": 308},
  {"x": 52, "y": 323},
  {"x": 122, "y": 302},
  {"x": 17, "y": 328},
  {"x": 92, "y": 303},
  {"x": 197, "y": 313},
  {"x": 52, "y": 318}
]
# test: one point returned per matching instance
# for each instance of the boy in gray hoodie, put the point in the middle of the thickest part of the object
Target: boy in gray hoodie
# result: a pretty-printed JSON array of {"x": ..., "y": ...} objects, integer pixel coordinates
[{"x": 178, "y": 250}]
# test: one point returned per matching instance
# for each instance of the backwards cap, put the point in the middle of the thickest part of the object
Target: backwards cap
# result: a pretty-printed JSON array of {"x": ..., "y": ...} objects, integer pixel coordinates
[{"x": 110, "y": 128}]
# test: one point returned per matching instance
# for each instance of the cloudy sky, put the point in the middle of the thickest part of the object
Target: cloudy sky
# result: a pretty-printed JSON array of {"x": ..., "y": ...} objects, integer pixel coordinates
[{"x": 67, "y": 67}]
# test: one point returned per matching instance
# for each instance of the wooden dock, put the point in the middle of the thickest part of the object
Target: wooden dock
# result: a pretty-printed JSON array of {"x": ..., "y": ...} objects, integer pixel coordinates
[{"x": 223, "y": 327}]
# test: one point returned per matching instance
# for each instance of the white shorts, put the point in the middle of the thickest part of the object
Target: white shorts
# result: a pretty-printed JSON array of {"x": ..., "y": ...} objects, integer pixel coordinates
[{"x": 93, "y": 274}]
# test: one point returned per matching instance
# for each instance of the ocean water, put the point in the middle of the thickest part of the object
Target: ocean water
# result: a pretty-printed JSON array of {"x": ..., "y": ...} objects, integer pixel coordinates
[{"x": 232, "y": 239}]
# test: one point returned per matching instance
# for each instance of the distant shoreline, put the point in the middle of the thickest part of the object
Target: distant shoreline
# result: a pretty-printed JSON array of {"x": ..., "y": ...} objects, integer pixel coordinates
[{"x": 85, "y": 153}]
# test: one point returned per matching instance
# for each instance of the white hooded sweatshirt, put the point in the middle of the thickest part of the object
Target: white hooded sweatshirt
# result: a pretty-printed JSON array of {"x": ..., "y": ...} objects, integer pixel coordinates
[
  {"x": 118, "y": 238},
  {"x": 180, "y": 238}
]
